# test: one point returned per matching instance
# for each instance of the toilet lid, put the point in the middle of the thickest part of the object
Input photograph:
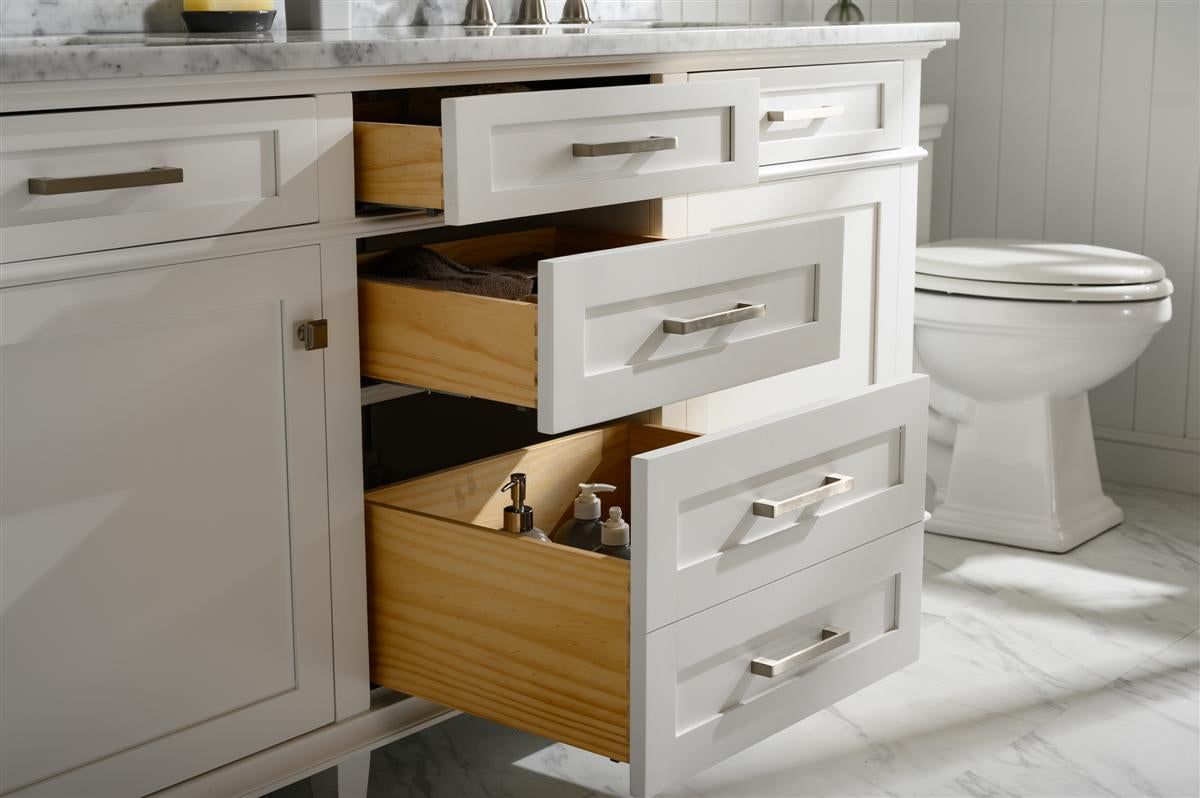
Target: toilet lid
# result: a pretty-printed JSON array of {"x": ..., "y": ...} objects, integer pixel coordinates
[
  {"x": 1137, "y": 292},
  {"x": 1035, "y": 262}
]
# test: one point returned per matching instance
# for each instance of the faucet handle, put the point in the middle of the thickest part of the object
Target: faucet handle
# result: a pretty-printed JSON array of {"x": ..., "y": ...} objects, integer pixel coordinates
[
  {"x": 532, "y": 12},
  {"x": 575, "y": 12},
  {"x": 479, "y": 13}
]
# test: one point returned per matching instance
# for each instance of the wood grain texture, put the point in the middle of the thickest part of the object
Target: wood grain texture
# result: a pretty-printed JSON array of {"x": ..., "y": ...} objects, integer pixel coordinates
[
  {"x": 398, "y": 165},
  {"x": 463, "y": 343},
  {"x": 531, "y": 635},
  {"x": 471, "y": 494}
]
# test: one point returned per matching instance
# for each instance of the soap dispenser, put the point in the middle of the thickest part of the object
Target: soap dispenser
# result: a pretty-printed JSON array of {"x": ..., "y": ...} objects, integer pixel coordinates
[
  {"x": 614, "y": 536},
  {"x": 583, "y": 531},
  {"x": 518, "y": 517}
]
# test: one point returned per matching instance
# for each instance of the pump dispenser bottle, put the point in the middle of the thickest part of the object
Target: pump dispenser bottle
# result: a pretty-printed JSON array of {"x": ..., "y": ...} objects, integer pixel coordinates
[
  {"x": 614, "y": 536},
  {"x": 518, "y": 517},
  {"x": 583, "y": 531}
]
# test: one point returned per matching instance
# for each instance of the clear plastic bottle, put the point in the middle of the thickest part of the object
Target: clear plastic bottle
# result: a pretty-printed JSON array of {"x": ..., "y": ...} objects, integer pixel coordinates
[
  {"x": 583, "y": 531},
  {"x": 614, "y": 536},
  {"x": 518, "y": 517}
]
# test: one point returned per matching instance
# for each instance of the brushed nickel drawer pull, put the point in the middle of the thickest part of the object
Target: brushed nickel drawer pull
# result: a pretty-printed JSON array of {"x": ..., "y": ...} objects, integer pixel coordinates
[
  {"x": 313, "y": 334},
  {"x": 803, "y": 114},
  {"x": 743, "y": 312},
  {"x": 831, "y": 637},
  {"x": 832, "y": 485},
  {"x": 652, "y": 144},
  {"x": 154, "y": 176}
]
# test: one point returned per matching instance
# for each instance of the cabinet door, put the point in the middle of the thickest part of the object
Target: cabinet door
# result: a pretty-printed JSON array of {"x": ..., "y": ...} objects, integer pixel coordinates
[{"x": 164, "y": 529}]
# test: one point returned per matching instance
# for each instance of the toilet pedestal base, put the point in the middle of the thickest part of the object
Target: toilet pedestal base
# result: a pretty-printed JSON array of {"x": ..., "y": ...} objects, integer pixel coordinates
[{"x": 1024, "y": 473}]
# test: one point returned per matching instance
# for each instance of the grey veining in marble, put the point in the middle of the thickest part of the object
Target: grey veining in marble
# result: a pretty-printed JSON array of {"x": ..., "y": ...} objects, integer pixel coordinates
[
  {"x": 113, "y": 55},
  {"x": 68, "y": 17},
  {"x": 1040, "y": 675}
]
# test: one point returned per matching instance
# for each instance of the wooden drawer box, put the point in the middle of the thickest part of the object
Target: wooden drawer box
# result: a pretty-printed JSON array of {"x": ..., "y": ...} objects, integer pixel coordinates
[
  {"x": 575, "y": 646},
  {"x": 93, "y": 180},
  {"x": 510, "y": 155},
  {"x": 822, "y": 111},
  {"x": 599, "y": 342}
]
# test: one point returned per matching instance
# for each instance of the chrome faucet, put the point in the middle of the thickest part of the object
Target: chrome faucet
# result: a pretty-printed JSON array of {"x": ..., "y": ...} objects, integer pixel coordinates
[
  {"x": 575, "y": 12},
  {"x": 532, "y": 12},
  {"x": 479, "y": 14}
]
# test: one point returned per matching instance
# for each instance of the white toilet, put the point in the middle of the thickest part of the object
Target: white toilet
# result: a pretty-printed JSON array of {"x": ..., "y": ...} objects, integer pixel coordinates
[{"x": 1013, "y": 334}]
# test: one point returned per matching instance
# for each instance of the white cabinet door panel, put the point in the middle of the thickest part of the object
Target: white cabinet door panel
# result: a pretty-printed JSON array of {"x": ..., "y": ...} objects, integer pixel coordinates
[{"x": 164, "y": 538}]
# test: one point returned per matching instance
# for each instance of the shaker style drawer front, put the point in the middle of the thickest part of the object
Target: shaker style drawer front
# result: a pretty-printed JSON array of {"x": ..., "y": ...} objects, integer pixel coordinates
[
  {"x": 557, "y": 641},
  {"x": 720, "y": 681},
  {"x": 620, "y": 324},
  {"x": 739, "y": 509},
  {"x": 93, "y": 180},
  {"x": 510, "y": 155},
  {"x": 822, "y": 111}
]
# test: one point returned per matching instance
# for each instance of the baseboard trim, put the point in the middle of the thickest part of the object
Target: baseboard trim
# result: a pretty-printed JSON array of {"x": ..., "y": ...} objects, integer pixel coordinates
[{"x": 1153, "y": 461}]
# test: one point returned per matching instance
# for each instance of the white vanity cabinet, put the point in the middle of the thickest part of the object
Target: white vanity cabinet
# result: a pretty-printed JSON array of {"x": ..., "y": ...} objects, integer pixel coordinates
[{"x": 164, "y": 537}]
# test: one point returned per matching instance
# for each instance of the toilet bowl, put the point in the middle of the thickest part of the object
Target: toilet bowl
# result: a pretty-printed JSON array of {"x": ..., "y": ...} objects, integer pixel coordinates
[
  {"x": 1012, "y": 358},
  {"x": 1013, "y": 334}
]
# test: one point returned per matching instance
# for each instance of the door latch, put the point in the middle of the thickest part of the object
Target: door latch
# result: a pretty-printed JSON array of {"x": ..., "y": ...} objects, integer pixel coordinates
[{"x": 314, "y": 334}]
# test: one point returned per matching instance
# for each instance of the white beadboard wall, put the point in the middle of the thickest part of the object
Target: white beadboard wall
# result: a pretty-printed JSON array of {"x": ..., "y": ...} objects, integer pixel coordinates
[
  {"x": 776, "y": 10},
  {"x": 1079, "y": 120}
]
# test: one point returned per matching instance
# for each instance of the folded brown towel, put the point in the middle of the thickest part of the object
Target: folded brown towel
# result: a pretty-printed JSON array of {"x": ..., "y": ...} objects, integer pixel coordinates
[{"x": 424, "y": 268}]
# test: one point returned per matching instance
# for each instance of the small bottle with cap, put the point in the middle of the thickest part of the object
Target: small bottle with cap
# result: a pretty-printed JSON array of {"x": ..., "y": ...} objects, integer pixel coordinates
[
  {"x": 518, "y": 517},
  {"x": 614, "y": 535},
  {"x": 583, "y": 531}
]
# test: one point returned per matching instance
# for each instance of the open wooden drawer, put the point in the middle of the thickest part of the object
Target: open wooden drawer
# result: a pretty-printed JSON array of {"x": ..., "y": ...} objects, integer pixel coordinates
[
  {"x": 621, "y": 324},
  {"x": 595, "y": 651},
  {"x": 504, "y": 156}
]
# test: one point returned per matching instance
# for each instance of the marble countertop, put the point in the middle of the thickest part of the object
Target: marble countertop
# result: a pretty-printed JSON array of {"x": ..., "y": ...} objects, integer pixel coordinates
[{"x": 52, "y": 58}]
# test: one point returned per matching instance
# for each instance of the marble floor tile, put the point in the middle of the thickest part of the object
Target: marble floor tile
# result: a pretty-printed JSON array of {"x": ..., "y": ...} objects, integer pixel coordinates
[
  {"x": 1138, "y": 736},
  {"x": 960, "y": 573}
]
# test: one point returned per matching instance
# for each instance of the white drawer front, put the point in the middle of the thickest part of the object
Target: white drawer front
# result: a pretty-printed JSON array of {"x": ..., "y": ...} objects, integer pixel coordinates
[
  {"x": 833, "y": 475},
  {"x": 514, "y": 154},
  {"x": 822, "y": 111},
  {"x": 694, "y": 696},
  {"x": 606, "y": 352},
  {"x": 242, "y": 166}
]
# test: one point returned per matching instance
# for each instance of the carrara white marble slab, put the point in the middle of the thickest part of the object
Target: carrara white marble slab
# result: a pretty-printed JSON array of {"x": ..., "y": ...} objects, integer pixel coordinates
[{"x": 137, "y": 55}]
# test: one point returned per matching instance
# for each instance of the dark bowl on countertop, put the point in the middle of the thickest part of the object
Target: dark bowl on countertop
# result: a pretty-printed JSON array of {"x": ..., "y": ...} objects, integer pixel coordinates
[{"x": 228, "y": 21}]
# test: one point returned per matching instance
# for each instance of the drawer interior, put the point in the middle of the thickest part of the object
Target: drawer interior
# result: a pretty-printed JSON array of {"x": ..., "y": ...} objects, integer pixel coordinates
[
  {"x": 532, "y": 635},
  {"x": 478, "y": 345},
  {"x": 398, "y": 138}
]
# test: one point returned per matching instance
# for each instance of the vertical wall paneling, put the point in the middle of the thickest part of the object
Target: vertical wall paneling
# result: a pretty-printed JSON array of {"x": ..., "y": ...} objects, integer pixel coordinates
[
  {"x": 733, "y": 11},
  {"x": 798, "y": 10},
  {"x": 699, "y": 11},
  {"x": 672, "y": 10},
  {"x": 906, "y": 10},
  {"x": 1074, "y": 108},
  {"x": 1126, "y": 68},
  {"x": 1028, "y": 28},
  {"x": 766, "y": 10},
  {"x": 1172, "y": 181},
  {"x": 1193, "y": 390},
  {"x": 937, "y": 86},
  {"x": 883, "y": 11},
  {"x": 976, "y": 110}
]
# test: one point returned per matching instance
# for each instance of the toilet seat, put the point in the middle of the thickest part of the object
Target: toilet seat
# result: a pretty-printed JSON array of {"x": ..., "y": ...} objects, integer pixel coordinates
[
  {"x": 1045, "y": 293},
  {"x": 1038, "y": 271}
]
